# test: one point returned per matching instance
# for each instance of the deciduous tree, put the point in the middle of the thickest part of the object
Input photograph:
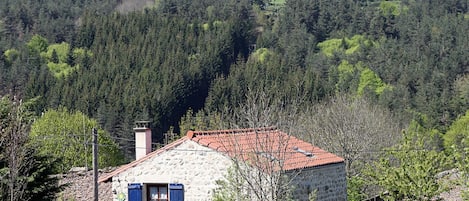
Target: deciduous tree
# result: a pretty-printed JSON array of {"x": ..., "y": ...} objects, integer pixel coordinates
[
  {"x": 353, "y": 128},
  {"x": 66, "y": 136}
]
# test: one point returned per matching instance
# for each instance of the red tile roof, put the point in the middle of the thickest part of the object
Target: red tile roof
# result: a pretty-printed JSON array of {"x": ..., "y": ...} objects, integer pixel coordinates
[
  {"x": 258, "y": 147},
  {"x": 269, "y": 143}
]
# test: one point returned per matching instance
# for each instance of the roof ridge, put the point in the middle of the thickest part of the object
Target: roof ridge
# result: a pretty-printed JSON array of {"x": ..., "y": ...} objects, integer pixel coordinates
[{"x": 191, "y": 134}]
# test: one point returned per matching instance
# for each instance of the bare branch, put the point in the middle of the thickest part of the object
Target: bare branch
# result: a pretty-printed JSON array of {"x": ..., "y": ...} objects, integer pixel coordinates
[{"x": 353, "y": 128}]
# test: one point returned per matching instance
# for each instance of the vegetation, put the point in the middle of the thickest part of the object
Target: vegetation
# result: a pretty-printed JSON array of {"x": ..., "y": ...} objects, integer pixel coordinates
[
  {"x": 408, "y": 170},
  {"x": 456, "y": 141},
  {"x": 66, "y": 136},
  {"x": 352, "y": 128},
  {"x": 188, "y": 63},
  {"x": 25, "y": 174}
]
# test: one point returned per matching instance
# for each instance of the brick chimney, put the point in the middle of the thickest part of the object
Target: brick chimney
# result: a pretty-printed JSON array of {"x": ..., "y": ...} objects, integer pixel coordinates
[{"x": 142, "y": 139}]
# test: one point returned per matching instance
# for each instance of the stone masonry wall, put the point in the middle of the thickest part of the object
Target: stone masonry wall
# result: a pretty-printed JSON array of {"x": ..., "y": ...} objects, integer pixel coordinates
[
  {"x": 193, "y": 165},
  {"x": 329, "y": 181}
]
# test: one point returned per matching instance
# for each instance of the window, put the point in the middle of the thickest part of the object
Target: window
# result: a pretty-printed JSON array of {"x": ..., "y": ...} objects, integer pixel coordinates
[
  {"x": 157, "y": 192},
  {"x": 153, "y": 192}
]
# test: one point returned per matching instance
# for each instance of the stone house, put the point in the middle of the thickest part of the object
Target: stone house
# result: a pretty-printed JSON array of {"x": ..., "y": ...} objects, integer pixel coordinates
[{"x": 188, "y": 168}]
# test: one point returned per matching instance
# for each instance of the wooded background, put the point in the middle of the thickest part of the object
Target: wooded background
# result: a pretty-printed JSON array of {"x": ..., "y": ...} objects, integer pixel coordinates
[{"x": 183, "y": 64}]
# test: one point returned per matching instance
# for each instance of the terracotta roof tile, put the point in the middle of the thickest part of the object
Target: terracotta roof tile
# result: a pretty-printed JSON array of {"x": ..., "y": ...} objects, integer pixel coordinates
[{"x": 268, "y": 143}]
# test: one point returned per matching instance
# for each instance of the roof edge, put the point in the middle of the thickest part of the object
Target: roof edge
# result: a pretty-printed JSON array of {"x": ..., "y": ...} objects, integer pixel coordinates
[
  {"x": 123, "y": 168},
  {"x": 315, "y": 166}
]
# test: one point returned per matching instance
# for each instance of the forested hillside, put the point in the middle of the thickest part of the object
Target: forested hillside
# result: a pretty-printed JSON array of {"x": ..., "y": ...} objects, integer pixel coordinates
[{"x": 183, "y": 64}]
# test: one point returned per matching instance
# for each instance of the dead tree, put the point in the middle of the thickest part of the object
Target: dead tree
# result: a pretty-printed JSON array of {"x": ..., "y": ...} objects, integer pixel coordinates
[{"x": 352, "y": 128}]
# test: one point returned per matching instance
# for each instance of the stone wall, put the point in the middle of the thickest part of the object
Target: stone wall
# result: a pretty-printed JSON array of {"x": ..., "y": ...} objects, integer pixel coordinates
[
  {"x": 329, "y": 182},
  {"x": 193, "y": 165}
]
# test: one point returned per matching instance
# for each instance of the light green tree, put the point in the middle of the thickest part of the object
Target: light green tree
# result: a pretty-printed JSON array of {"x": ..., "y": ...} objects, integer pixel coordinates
[
  {"x": 344, "y": 45},
  {"x": 38, "y": 44},
  {"x": 262, "y": 54},
  {"x": 61, "y": 50},
  {"x": 60, "y": 69},
  {"x": 67, "y": 136},
  {"x": 454, "y": 139},
  {"x": 408, "y": 171},
  {"x": 11, "y": 55},
  {"x": 79, "y": 54},
  {"x": 388, "y": 8},
  {"x": 369, "y": 80}
]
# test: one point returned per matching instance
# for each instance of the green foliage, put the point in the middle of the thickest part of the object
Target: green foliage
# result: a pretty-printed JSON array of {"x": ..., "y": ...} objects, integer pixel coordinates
[
  {"x": 455, "y": 137},
  {"x": 353, "y": 44},
  {"x": 217, "y": 23},
  {"x": 81, "y": 53},
  {"x": 408, "y": 171},
  {"x": 391, "y": 8},
  {"x": 11, "y": 55},
  {"x": 262, "y": 54},
  {"x": 60, "y": 70},
  {"x": 346, "y": 45},
  {"x": 355, "y": 185},
  {"x": 66, "y": 136},
  {"x": 61, "y": 50},
  {"x": 370, "y": 81},
  {"x": 330, "y": 46},
  {"x": 38, "y": 44},
  {"x": 43, "y": 185},
  {"x": 25, "y": 174},
  {"x": 206, "y": 26},
  {"x": 60, "y": 58},
  {"x": 346, "y": 73}
]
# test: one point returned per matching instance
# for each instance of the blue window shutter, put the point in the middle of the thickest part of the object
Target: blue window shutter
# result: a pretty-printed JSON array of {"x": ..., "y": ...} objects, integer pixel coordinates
[
  {"x": 135, "y": 192},
  {"x": 176, "y": 192}
]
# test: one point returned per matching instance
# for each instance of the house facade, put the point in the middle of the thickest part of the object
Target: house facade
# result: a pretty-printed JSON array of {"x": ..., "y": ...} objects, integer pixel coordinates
[{"x": 189, "y": 168}]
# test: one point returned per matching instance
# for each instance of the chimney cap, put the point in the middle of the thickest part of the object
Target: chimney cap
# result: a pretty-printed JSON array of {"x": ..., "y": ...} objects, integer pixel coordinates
[{"x": 142, "y": 124}]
